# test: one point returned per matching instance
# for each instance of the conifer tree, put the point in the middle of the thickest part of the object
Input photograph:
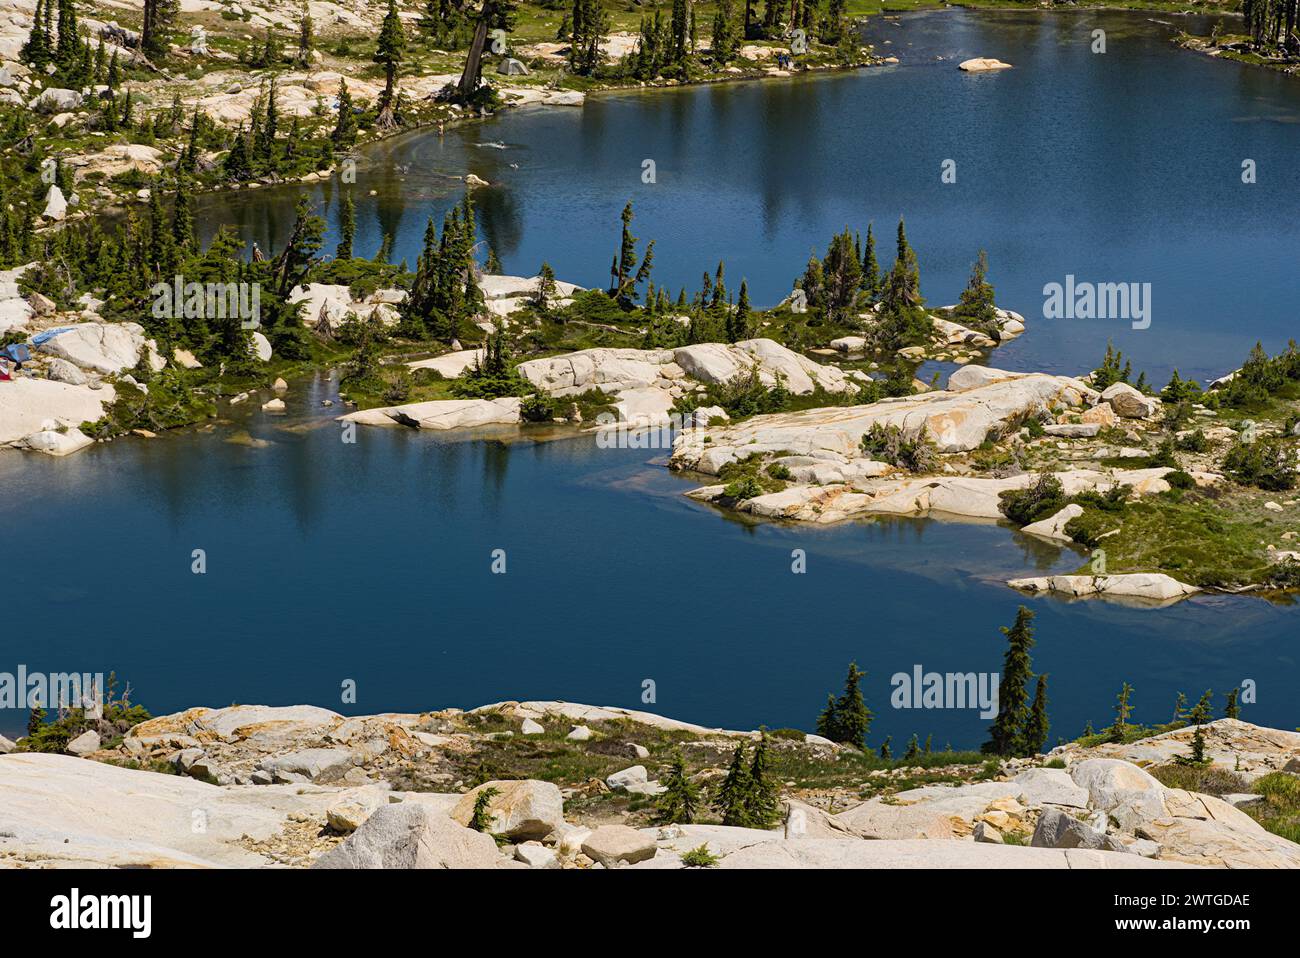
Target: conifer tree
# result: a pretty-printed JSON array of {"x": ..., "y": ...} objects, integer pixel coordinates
[
  {"x": 159, "y": 18},
  {"x": 348, "y": 227},
  {"x": 545, "y": 287},
  {"x": 680, "y": 801},
  {"x": 345, "y": 127},
  {"x": 738, "y": 319},
  {"x": 976, "y": 308},
  {"x": 389, "y": 52},
  {"x": 763, "y": 807},
  {"x": 871, "y": 281},
  {"x": 1007, "y": 731},
  {"x": 1123, "y": 709},
  {"x": 732, "y": 800},
  {"x": 305, "y": 37},
  {"x": 1199, "y": 715},
  {"x": 1231, "y": 709},
  {"x": 885, "y": 752},
  {"x": 913, "y": 749},
  {"x": 114, "y": 76},
  {"x": 39, "y": 47},
  {"x": 589, "y": 26},
  {"x": 237, "y": 165},
  {"x": 1180, "y": 708},
  {"x": 846, "y": 719},
  {"x": 1037, "y": 725}
]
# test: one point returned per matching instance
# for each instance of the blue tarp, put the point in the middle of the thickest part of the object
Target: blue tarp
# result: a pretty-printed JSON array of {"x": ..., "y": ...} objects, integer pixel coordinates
[
  {"x": 44, "y": 337},
  {"x": 18, "y": 352}
]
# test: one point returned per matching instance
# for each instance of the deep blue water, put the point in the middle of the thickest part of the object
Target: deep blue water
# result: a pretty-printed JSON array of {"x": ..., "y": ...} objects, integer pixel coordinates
[
  {"x": 370, "y": 562},
  {"x": 1115, "y": 167}
]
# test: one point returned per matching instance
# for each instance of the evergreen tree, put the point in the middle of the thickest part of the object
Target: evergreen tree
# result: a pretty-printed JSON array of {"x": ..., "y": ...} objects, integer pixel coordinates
[
  {"x": 733, "y": 800},
  {"x": 481, "y": 818},
  {"x": 976, "y": 308},
  {"x": 348, "y": 227},
  {"x": 679, "y": 803},
  {"x": 1180, "y": 708},
  {"x": 762, "y": 806},
  {"x": 886, "y": 753},
  {"x": 1231, "y": 709},
  {"x": 305, "y": 37},
  {"x": 345, "y": 127},
  {"x": 545, "y": 288},
  {"x": 1007, "y": 732},
  {"x": 293, "y": 263},
  {"x": 159, "y": 18},
  {"x": 846, "y": 719},
  {"x": 913, "y": 749},
  {"x": 738, "y": 319},
  {"x": 38, "y": 49},
  {"x": 589, "y": 26},
  {"x": 871, "y": 281},
  {"x": 1119, "y": 728},
  {"x": 1037, "y": 725},
  {"x": 237, "y": 165},
  {"x": 114, "y": 77},
  {"x": 724, "y": 43},
  {"x": 1199, "y": 715},
  {"x": 389, "y": 51}
]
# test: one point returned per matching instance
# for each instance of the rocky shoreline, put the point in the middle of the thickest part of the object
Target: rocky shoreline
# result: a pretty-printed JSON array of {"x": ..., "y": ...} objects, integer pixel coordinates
[{"x": 302, "y": 786}]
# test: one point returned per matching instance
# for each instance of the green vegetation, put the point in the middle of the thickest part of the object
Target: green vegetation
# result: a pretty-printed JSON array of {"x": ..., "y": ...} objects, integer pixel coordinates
[
  {"x": 119, "y": 715},
  {"x": 1020, "y": 727},
  {"x": 847, "y": 719},
  {"x": 699, "y": 857}
]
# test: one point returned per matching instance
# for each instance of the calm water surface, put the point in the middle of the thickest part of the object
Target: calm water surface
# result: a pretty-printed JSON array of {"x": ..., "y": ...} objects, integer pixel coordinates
[{"x": 371, "y": 561}]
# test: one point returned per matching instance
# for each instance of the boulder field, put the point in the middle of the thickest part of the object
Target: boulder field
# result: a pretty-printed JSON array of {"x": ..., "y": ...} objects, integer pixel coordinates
[{"x": 302, "y": 786}]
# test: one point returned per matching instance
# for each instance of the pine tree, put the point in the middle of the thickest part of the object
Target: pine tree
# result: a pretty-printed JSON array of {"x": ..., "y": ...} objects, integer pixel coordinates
[
  {"x": 847, "y": 720},
  {"x": 885, "y": 753},
  {"x": 159, "y": 18},
  {"x": 1180, "y": 708},
  {"x": 723, "y": 46},
  {"x": 738, "y": 319},
  {"x": 545, "y": 287},
  {"x": 976, "y": 308},
  {"x": 389, "y": 52},
  {"x": 732, "y": 800},
  {"x": 871, "y": 282},
  {"x": 1231, "y": 709},
  {"x": 114, "y": 77},
  {"x": 305, "y": 37},
  {"x": 345, "y": 127},
  {"x": 1199, "y": 715},
  {"x": 481, "y": 818},
  {"x": 38, "y": 49},
  {"x": 347, "y": 227},
  {"x": 763, "y": 806},
  {"x": 913, "y": 749},
  {"x": 237, "y": 165},
  {"x": 1006, "y": 733},
  {"x": 1037, "y": 725},
  {"x": 679, "y": 803},
  {"x": 589, "y": 26},
  {"x": 1119, "y": 728}
]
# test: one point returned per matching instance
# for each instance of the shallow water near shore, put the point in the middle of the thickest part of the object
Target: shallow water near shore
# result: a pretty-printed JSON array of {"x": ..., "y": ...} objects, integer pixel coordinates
[{"x": 371, "y": 562}]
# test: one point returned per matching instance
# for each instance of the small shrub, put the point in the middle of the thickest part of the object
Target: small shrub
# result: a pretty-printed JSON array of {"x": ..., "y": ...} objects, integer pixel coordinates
[
  {"x": 1268, "y": 463},
  {"x": 699, "y": 858},
  {"x": 1044, "y": 497}
]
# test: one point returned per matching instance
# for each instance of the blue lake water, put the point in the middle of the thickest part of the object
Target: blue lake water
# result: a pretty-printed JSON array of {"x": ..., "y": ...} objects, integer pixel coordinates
[
  {"x": 1115, "y": 167},
  {"x": 371, "y": 562}
]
